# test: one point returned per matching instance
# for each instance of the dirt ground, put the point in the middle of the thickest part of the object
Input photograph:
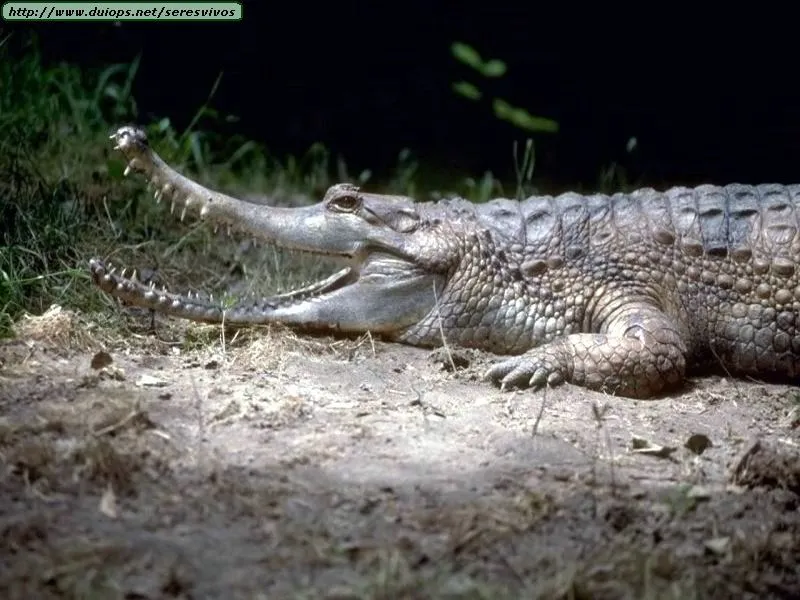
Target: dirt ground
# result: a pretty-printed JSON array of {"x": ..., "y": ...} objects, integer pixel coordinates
[{"x": 183, "y": 464}]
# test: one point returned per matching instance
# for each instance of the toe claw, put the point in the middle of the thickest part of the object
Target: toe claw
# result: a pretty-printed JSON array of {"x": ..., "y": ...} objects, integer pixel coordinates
[
  {"x": 530, "y": 371},
  {"x": 539, "y": 378},
  {"x": 495, "y": 372}
]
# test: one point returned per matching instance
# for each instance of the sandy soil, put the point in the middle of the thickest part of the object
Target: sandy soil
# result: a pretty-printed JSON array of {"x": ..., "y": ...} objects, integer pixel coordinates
[{"x": 177, "y": 464}]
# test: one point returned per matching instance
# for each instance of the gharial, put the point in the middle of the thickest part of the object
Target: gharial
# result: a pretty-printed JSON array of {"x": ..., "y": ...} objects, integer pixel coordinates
[{"x": 619, "y": 293}]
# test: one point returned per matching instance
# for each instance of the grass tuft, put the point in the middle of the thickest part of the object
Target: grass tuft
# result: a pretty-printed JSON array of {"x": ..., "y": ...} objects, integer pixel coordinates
[{"x": 63, "y": 198}]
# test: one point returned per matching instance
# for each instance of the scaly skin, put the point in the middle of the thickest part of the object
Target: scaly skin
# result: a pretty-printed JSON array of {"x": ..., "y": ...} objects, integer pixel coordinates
[{"x": 616, "y": 293}]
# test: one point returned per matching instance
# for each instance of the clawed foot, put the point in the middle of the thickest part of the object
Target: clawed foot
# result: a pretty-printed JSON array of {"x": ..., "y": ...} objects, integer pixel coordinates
[{"x": 526, "y": 371}]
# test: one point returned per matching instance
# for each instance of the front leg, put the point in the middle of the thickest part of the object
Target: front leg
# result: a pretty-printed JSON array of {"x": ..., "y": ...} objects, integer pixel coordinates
[{"x": 640, "y": 354}]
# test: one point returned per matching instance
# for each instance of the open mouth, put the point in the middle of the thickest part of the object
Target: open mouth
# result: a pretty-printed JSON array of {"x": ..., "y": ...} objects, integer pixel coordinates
[
  {"x": 380, "y": 289},
  {"x": 382, "y": 295},
  {"x": 188, "y": 197}
]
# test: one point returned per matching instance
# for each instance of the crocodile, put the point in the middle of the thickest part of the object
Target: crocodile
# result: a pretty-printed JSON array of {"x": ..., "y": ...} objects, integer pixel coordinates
[{"x": 622, "y": 293}]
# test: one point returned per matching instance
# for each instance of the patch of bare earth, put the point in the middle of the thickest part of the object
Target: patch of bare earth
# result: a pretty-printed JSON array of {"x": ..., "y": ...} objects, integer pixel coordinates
[{"x": 265, "y": 465}]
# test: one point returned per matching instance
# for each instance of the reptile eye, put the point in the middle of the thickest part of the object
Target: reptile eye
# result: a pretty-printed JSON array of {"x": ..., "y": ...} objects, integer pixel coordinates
[{"x": 345, "y": 203}]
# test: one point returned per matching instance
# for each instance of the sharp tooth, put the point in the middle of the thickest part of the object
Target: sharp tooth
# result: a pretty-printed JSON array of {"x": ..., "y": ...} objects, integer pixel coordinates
[
  {"x": 183, "y": 213},
  {"x": 124, "y": 273},
  {"x": 172, "y": 208},
  {"x": 113, "y": 136},
  {"x": 127, "y": 171},
  {"x": 112, "y": 270},
  {"x": 134, "y": 276},
  {"x": 229, "y": 230},
  {"x": 158, "y": 195},
  {"x": 216, "y": 229},
  {"x": 152, "y": 285},
  {"x": 117, "y": 147}
]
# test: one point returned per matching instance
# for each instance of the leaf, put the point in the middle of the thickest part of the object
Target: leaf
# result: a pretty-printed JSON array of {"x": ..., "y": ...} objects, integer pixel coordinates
[
  {"x": 364, "y": 177},
  {"x": 196, "y": 147},
  {"x": 112, "y": 91},
  {"x": 522, "y": 118},
  {"x": 163, "y": 125},
  {"x": 494, "y": 68},
  {"x": 467, "y": 90},
  {"x": 502, "y": 108},
  {"x": 241, "y": 152},
  {"x": 467, "y": 55},
  {"x": 104, "y": 81}
]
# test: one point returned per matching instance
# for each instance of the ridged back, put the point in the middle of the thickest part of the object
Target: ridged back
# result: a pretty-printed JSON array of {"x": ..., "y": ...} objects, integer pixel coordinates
[{"x": 764, "y": 218}]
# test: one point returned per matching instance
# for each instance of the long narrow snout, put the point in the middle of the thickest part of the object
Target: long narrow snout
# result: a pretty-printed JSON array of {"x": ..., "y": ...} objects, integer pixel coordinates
[{"x": 381, "y": 289}]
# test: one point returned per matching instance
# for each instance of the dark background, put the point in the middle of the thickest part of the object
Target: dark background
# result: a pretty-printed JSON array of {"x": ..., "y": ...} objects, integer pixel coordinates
[{"x": 711, "y": 96}]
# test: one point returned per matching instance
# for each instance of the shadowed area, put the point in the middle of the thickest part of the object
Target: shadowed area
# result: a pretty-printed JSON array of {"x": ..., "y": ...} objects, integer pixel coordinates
[{"x": 384, "y": 475}]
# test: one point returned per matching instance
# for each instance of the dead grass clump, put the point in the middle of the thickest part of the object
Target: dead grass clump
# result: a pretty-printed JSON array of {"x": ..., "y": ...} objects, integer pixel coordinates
[
  {"x": 769, "y": 467},
  {"x": 389, "y": 573},
  {"x": 102, "y": 463},
  {"x": 56, "y": 328},
  {"x": 268, "y": 346},
  {"x": 625, "y": 570},
  {"x": 75, "y": 568},
  {"x": 35, "y": 460},
  {"x": 247, "y": 496},
  {"x": 8, "y": 432},
  {"x": 11, "y": 432},
  {"x": 21, "y": 531},
  {"x": 69, "y": 443},
  {"x": 45, "y": 466},
  {"x": 117, "y": 416}
]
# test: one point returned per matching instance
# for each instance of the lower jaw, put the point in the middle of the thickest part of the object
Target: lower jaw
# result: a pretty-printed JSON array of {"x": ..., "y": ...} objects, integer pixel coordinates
[{"x": 127, "y": 286}]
